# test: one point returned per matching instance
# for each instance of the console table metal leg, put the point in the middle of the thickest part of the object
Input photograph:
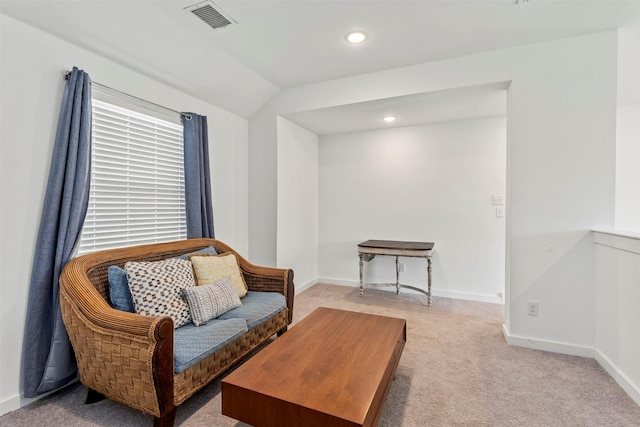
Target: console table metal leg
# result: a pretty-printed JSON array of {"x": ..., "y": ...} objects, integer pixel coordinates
[
  {"x": 397, "y": 277},
  {"x": 429, "y": 281},
  {"x": 361, "y": 285}
]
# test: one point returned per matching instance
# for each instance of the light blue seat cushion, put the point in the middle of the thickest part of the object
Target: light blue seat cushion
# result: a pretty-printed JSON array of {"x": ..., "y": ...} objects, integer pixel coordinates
[
  {"x": 193, "y": 343},
  {"x": 257, "y": 307}
]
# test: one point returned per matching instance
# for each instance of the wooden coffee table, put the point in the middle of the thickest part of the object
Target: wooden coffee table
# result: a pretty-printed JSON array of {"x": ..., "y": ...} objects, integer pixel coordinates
[{"x": 333, "y": 368}]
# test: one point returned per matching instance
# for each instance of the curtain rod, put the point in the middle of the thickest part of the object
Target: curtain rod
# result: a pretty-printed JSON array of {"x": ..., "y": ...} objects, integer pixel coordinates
[{"x": 93, "y": 82}]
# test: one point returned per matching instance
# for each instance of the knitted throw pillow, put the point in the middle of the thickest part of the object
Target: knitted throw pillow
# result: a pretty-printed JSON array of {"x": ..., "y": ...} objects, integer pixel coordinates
[
  {"x": 156, "y": 288},
  {"x": 207, "y": 302}
]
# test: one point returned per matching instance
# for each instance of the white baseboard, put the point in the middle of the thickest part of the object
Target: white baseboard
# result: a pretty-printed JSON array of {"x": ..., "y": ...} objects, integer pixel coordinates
[
  {"x": 495, "y": 299},
  {"x": 19, "y": 401},
  {"x": 339, "y": 282},
  {"x": 435, "y": 292},
  {"x": 13, "y": 403},
  {"x": 545, "y": 345},
  {"x": 304, "y": 287},
  {"x": 633, "y": 390}
]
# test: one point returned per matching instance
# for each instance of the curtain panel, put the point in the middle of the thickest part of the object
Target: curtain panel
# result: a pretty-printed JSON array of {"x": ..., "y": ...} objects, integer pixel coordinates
[
  {"x": 48, "y": 360},
  {"x": 197, "y": 181}
]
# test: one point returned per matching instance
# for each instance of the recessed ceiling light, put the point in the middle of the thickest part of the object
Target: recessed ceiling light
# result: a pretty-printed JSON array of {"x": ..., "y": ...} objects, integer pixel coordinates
[
  {"x": 356, "y": 37},
  {"x": 389, "y": 119}
]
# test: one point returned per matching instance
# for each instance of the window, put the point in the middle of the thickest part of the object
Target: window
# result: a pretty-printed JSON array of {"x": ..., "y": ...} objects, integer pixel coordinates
[{"x": 137, "y": 177}]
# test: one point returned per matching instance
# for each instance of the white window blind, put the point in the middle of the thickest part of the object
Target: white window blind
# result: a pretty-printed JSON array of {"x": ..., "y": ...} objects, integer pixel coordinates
[{"x": 137, "y": 180}]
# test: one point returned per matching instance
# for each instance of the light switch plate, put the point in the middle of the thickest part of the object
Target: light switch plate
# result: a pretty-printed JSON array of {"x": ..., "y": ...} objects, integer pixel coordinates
[{"x": 497, "y": 199}]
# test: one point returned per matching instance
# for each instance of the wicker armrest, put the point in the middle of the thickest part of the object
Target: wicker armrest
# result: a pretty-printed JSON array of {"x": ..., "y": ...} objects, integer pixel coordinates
[
  {"x": 264, "y": 279},
  {"x": 125, "y": 356},
  {"x": 81, "y": 292}
]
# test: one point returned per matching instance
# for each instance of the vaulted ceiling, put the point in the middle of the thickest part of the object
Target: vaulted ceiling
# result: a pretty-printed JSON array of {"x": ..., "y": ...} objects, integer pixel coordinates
[{"x": 278, "y": 44}]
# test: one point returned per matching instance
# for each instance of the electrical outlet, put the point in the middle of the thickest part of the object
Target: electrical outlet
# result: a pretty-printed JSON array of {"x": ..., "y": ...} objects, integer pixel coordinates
[
  {"x": 497, "y": 199},
  {"x": 533, "y": 308},
  {"x": 402, "y": 267}
]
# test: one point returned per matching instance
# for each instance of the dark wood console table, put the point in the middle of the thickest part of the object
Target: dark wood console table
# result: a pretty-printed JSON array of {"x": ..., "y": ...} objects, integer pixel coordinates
[{"x": 369, "y": 249}]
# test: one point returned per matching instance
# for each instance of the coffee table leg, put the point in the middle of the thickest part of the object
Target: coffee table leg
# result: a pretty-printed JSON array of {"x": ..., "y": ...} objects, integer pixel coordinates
[
  {"x": 429, "y": 281},
  {"x": 361, "y": 285}
]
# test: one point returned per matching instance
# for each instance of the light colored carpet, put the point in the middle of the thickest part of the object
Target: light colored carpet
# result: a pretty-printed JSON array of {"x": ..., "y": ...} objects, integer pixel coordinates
[{"x": 456, "y": 370}]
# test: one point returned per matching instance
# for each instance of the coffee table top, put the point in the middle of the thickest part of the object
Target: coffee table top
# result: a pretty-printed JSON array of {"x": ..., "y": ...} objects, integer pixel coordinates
[{"x": 332, "y": 362}]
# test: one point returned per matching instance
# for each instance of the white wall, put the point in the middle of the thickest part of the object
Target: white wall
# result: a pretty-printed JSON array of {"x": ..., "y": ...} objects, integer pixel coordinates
[
  {"x": 617, "y": 314},
  {"x": 561, "y": 168},
  {"x": 32, "y": 68},
  {"x": 297, "y": 234},
  {"x": 617, "y": 345},
  {"x": 418, "y": 183},
  {"x": 628, "y": 130},
  {"x": 263, "y": 194}
]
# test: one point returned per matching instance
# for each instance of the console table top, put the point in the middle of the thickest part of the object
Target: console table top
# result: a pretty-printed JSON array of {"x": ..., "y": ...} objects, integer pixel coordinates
[{"x": 397, "y": 244}]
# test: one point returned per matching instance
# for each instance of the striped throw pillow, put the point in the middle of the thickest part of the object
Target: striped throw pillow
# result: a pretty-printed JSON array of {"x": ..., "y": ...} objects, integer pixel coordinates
[{"x": 207, "y": 302}]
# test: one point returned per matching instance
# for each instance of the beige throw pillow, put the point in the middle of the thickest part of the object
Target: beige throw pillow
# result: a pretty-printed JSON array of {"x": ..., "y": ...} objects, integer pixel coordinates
[{"x": 210, "y": 269}]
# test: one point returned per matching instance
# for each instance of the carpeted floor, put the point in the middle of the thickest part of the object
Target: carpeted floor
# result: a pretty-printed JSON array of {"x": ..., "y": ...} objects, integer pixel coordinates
[{"x": 456, "y": 370}]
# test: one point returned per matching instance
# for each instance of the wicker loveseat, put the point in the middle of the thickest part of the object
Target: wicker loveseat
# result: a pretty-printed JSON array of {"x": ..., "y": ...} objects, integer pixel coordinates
[{"x": 129, "y": 357}]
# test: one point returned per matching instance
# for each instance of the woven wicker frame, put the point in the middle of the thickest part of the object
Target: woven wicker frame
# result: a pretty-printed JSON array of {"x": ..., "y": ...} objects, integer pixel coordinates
[{"x": 129, "y": 357}]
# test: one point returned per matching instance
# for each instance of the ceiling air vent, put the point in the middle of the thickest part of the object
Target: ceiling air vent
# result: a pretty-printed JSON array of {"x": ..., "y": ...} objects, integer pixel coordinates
[{"x": 211, "y": 14}]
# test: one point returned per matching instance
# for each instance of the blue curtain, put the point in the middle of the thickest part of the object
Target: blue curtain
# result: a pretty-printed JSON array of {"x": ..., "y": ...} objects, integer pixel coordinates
[
  {"x": 48, "y": 360},
  {"x": 197, "y": 180}
]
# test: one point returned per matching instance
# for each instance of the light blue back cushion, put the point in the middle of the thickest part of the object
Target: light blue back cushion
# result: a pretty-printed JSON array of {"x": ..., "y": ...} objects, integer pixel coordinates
[
  {"x": 207, "y": 250},
  {"x": 193, "y": 343},
  {"x": 257, "y": 307},
  {"x": 119, "y": 291}
]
